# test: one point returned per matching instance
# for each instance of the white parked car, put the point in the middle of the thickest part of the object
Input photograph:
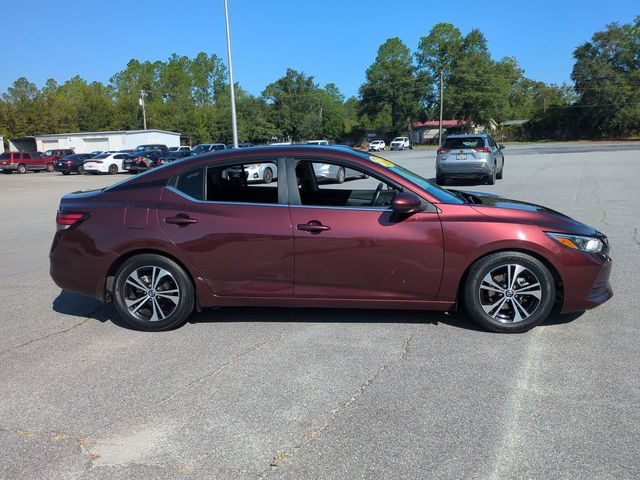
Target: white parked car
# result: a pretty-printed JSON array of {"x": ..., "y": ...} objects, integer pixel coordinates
[
  {"x": 400, "y": 143},
  {"x": 182, "y": 148},
  {"x": 318, "y": 142},
  {"x": 106, "y": 163},
  {"x": 254, "y": 172},
  {"x": 377, "y": 145},
  {"x": 327, "y": 172}
]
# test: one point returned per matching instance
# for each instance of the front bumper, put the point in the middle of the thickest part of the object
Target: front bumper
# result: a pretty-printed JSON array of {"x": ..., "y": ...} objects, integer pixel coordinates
[
  {"x": 65, "y": 168},
  {"x": 587, "y": 283}
]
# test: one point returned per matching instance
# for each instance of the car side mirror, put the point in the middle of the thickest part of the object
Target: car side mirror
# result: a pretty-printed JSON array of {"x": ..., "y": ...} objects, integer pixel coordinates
[
  {"x": 501, "y": 147},
  {"x": 406, "y": 203}
]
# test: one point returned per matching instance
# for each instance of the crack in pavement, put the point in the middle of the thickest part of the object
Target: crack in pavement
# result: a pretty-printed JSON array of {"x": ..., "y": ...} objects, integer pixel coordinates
[
  {"x": 282, "y": 456},
  {"x": 54, "y": 334},
  {"x": 197, "y": 381},
  {"x": 55, "y": 436}
]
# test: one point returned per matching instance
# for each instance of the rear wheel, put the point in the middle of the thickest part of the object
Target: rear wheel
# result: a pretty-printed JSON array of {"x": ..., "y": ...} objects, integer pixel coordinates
[
  {"x": 267, "y": 177},
  {"x": 21, "y": 168},
  {"x": 7, "y": 172},
  {"x": 491, "y": 179},
  {"x": 341, "y": 175},
  {"x": 113, "y": 169},
  {"x": 153, "y": 293},
  {"x": 49, "y": 167},
  {"x": 80, "y": 170},
  {"x": 509, "y": 292}
]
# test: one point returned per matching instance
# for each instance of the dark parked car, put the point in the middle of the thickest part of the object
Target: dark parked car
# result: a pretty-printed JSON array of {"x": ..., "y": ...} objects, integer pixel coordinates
[
  {"x": 72, "y": 163},
  {"x": 141, "y": 161},
  {"x": 207, "y": 147},
  {"x": 151, "y": 146},
  {"x": 241, "y": 145},
  {"x": 192, "y": 234}
]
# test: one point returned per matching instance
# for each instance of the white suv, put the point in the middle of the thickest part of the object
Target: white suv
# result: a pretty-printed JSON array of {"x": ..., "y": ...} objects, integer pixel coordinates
[
  {"x": 400, "y": 143},
  {"x": 377, "y": 145}
]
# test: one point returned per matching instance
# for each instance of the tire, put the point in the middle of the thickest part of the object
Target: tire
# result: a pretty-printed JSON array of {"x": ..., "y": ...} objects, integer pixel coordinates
[
  {"x": 341, "y": 175},
  {"x": 497, "y": 306},
  {"x": 143, "y": 309},
  {"x": 49, "y": 167},
  {"x": 267, "y": 176},
  {"x": 440, "y": 180},
  {"x": 80, "y": 170},
  {"x": 491, "y": 179},
  {"x": 113, "y": 169},
  {"x": 66, "y": 173},
  {"x": 22, "y": 168},
  {"x": 500, "y": 174},
  {"x": 7, "y": 172}
]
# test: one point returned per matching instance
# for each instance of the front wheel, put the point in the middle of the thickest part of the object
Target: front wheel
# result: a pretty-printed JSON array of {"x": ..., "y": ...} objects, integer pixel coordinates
[
  {"x": 153, "y": 293},
  {"x": 113, "y": 169},
  {"x": 49, "y": 167},
  {"x": 267, "y": 176},
  {"x": 341, "y": 175},
  {"x": 509, "y": 292},
  {"x": 491, "y": 179}
]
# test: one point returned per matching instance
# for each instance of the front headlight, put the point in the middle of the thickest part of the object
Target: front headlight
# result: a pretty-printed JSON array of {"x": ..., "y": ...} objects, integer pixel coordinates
[{"x": 579, "y": 242}]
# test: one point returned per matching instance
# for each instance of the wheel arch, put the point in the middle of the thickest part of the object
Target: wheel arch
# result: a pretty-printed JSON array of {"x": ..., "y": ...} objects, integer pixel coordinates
[
  {"x": 111, "y": 272},
  {"x": 557, "y": 278}
]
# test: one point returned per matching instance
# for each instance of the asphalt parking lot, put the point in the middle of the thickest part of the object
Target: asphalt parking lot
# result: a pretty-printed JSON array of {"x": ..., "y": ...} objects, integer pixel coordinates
[{"x": 333, "y": 394}]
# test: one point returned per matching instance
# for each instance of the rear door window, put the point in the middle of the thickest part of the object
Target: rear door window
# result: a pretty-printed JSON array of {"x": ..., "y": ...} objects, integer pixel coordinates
[{"x": 191, "y": 183}]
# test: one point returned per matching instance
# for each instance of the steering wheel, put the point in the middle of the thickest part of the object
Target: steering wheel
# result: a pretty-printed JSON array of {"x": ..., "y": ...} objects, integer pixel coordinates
[{"x": 376, "y": 194}]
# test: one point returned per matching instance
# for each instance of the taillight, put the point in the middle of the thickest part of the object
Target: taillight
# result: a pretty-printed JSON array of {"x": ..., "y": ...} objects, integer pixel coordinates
[
  {"x": 482, "y": 149},
  {"x": 65, "y": 220},
  {"x": 159, "y": 161},
  {"x": 442, "y": 150},
  {"x": 68, "y": 162}
]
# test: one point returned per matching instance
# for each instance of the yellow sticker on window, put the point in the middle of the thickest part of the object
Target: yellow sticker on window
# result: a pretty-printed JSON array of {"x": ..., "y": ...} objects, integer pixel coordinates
[{"x": 381, "y": 161}]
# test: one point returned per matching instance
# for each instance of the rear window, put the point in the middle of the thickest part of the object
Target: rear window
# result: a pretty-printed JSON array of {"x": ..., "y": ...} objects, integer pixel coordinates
[
  {"x": 464, "y": 142},
  {"x": 103, "y": 155}
]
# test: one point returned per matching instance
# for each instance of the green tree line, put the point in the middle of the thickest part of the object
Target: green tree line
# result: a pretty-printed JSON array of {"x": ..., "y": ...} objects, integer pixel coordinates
[{"x": 191, "y": 95}]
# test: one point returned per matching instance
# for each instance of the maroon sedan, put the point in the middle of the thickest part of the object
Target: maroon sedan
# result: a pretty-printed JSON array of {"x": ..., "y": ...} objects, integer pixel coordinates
[{"x": 196, "y": 233}]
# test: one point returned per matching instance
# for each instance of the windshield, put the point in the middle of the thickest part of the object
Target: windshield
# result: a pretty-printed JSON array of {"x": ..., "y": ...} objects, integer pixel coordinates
[
  {"x": 440, "y": 193},
  {"x": 48, "y": 152},
  {"x": 200, "y": 148},
  {"x": 398, "y": 139}
]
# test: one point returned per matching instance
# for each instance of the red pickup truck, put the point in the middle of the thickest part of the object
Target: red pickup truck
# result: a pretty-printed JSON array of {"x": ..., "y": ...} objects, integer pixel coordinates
[{"x": 21, "y": 162}]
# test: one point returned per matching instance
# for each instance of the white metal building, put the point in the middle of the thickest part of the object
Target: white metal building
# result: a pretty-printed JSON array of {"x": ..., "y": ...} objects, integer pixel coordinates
[
  {"x": 1, "y": 144},
  {"x": 85, "y": 142}
]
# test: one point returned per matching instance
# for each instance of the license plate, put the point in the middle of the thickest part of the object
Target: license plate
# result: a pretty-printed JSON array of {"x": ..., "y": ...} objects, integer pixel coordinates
[{"x": 461, "y": 156}]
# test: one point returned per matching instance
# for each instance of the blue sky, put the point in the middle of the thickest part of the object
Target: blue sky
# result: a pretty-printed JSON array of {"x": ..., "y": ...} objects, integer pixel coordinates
[{"x": 335, "y": 41}]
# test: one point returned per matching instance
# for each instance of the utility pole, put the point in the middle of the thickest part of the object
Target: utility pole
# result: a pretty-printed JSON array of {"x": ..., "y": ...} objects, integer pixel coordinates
[
  {"x": 440, "y": 122},
  {"x": 234, "y": 123},
  {"x": 144, "y": 112}
]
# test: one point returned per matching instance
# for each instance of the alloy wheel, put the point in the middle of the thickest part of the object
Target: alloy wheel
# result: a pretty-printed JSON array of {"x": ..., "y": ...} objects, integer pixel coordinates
[
  {"x": 151, "y": 293},
  {"x": 510, "y": 293}
]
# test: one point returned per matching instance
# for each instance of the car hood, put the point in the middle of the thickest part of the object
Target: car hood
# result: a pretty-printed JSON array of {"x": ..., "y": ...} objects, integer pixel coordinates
[{"x": 503, "y": 209}]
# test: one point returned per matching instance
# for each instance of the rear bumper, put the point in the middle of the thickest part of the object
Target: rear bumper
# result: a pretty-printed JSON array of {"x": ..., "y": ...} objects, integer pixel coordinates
[
  {"x": 463, "y": 170},
  {"x": 11, "y": 166}
]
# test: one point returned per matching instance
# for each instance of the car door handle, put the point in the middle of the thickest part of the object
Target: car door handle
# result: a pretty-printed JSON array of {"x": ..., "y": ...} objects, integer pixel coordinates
[
  {"x": 180, "y": 219},
  {"x": 313, "y": 226}
]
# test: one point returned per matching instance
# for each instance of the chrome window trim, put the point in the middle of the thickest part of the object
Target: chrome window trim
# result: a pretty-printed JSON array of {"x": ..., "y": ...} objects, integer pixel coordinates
[{"x": 366, "y": 209}]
